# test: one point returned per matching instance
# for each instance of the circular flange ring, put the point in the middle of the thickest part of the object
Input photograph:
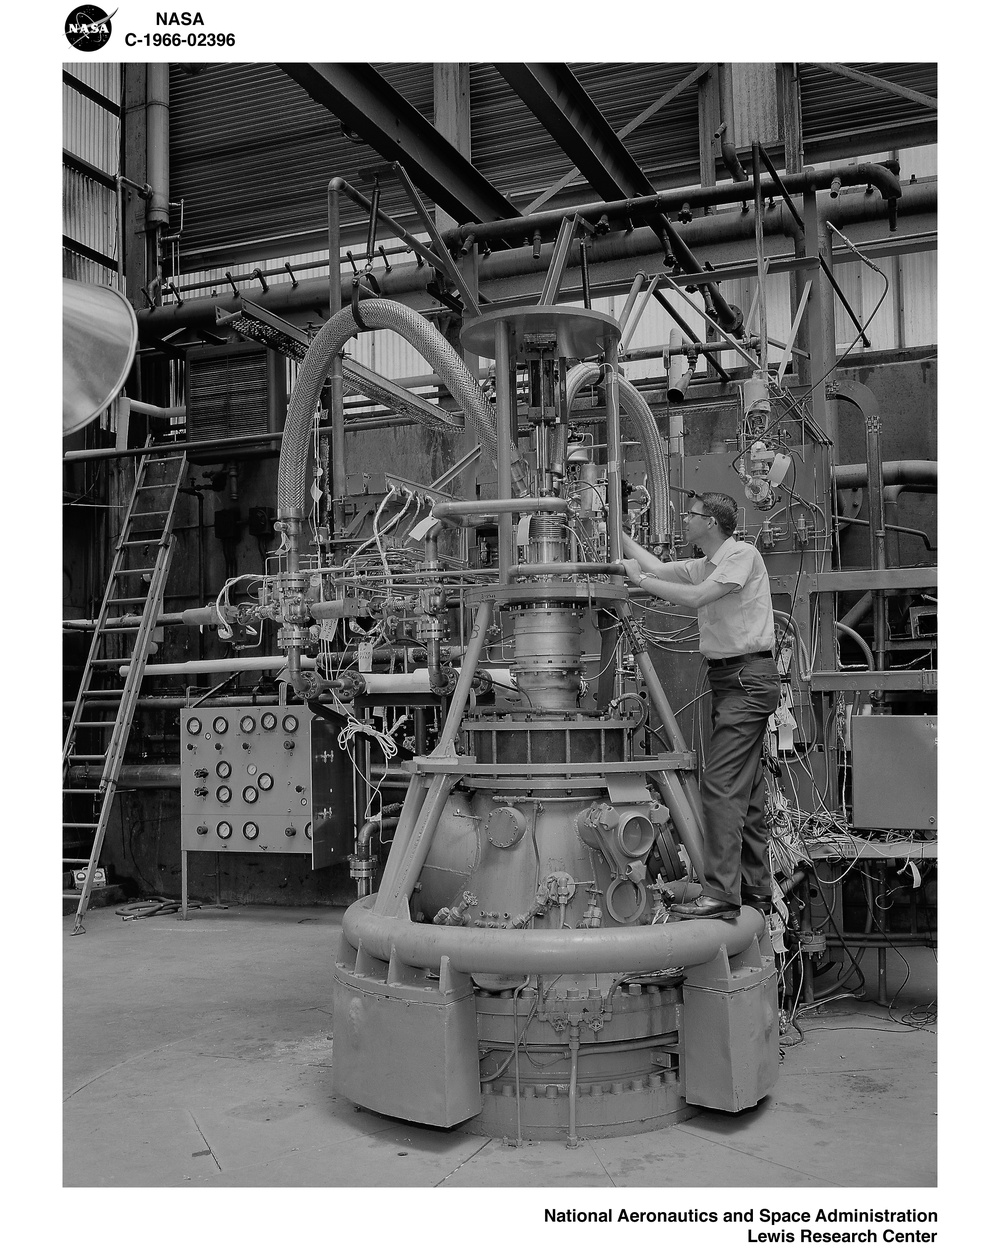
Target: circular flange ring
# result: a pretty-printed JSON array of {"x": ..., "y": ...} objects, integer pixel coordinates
[{"x": 579, "y": 332}]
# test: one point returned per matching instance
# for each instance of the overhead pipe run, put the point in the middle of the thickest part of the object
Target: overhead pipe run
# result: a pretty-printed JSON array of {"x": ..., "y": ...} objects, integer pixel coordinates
[
  {"x": 604, "y": 215},
  {"x": 312, "y": 295}
]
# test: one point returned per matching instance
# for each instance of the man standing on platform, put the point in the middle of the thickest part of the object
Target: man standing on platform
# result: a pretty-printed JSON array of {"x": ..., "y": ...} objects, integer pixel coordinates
[{"x": 729, "y": 587}]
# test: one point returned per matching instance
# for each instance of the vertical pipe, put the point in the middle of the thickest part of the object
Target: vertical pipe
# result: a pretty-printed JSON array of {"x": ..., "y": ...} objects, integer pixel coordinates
[
  {"x": 614, "y": 452},
  {"x": 822, "y": 327},
  {"x": 572, "y": 1141},
  {"x": 758, "y": 199},
  {"x": 158, "y": 143},
  {"x": 338, "y": 440},
  {"x": 504, "y": 407}
]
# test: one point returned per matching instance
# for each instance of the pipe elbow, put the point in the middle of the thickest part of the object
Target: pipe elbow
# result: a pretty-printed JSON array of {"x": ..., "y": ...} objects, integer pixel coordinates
[{"x": 336, "y": 184}]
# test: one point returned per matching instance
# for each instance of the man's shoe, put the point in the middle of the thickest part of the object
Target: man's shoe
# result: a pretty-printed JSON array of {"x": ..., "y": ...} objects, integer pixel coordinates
[
  {"x": 704, "y": 908},
  {"x": 764, "y": 905}
]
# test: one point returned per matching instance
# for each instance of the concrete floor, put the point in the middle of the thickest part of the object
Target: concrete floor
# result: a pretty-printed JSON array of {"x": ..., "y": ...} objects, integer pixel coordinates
[{"x": 197, "y": 1054}]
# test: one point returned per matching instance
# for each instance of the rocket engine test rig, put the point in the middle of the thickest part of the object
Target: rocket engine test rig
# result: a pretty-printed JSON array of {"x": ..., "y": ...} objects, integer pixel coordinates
[
  {"x": 508, "y": 964},
  {"x": 513, "y": 968}
]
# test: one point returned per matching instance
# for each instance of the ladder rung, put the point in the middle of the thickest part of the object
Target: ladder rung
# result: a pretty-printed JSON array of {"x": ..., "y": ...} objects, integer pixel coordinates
[
  {"x": 73, "y": 790},
  {"x": 136, "y": 542},
  {"x": 94, "y": 724},
  {"x": 139, "y": 516},
  {"x": 129, "y": 599},
  {"x": 119, "y": 629},
  {"x": 75, "y": 824},
  {"x": 75, "y": 861},
  {"x": 90, "y": 759},
  {"x": 129, "y": 572},
  {"x": 102, "y": 694}
]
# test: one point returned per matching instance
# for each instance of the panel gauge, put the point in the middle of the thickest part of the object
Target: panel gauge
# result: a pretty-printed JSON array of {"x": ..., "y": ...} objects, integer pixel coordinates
[
  {"x": 250, "y": 830},
  {"x": 220, "y": 724},
  {"x": 224, "y": 829},
  {"x": 247, "y": 724},
  {"x": 290, "y": 724},
  {"x": 194, "y": 725},
  {"x": 268, "y": 721}
]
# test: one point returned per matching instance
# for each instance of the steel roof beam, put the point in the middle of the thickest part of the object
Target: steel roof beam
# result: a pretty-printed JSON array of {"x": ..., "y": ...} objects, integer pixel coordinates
[
  {"x": 564, "y": 108},
  {"x": 880, "y": 84},
  {"x": 362, "y": 99},
  {"x": 559, "y": 101}
]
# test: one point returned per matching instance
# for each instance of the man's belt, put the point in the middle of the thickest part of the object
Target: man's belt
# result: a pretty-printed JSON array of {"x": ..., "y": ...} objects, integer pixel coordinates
[{"x": 741, "y": 659}]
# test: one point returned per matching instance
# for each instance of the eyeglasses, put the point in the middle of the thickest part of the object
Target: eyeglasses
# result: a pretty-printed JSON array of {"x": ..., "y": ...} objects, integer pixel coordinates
[{"x": 707, "y": 515}]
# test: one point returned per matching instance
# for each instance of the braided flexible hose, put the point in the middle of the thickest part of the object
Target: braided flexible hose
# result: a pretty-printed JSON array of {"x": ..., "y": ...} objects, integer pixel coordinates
[
  {"x": 377, "y": 314},
  {"x": 643, "y": 425}
]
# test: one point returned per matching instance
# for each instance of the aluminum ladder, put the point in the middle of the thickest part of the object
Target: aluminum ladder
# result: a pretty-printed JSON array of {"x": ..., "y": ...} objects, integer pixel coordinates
[{"x": 133, "y": 600}]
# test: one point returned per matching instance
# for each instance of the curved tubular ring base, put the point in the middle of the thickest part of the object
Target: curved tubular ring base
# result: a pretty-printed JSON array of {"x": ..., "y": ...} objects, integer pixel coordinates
[{"x": 640, "y": 948}]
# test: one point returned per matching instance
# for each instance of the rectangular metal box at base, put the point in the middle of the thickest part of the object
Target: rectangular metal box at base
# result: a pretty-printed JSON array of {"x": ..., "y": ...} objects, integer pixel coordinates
[
  {"x": 895, "y": 771},
  {"x": 410, "y": 1055},
  {"x": 730, "y": 1043}
]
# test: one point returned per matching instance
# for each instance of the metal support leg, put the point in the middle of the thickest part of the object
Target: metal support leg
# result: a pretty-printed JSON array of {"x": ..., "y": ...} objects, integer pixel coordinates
[{"x": 184, "y": 885}]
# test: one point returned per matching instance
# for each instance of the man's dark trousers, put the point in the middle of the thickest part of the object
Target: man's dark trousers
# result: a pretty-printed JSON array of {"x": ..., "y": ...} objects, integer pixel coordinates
[{"x": 744, "y": 694}]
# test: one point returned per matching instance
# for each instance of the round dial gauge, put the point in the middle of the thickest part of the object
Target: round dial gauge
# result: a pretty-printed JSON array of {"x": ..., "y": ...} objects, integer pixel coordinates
[
  {"x": 250, "y": 794},
  {"x": 290, "y": 724},
  {"x": 252, "y": 770},
  {"x": 247, "y": 724},
  {"x": 194, "y": 725},
  {"x": 268, "y": 720},
  {"x": 265, "y": 781},
  {"x": 223, "y": 794},
  {"x": 250, "y": 830},
  {"x": 224, "y": 829},
  {"x": 220, "y": 724},
  {"x": 223, "y": 768}
]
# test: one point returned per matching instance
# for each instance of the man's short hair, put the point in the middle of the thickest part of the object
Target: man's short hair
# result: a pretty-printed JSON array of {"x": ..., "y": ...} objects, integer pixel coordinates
[{"x": 722, "y": 508}]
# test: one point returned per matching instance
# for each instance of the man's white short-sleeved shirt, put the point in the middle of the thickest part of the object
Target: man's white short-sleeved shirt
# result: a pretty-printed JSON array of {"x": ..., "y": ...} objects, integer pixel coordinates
[{"x": 742, "y": 621}]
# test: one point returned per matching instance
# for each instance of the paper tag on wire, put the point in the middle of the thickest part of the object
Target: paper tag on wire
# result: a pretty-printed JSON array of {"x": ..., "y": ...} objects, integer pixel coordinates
[
  {"x": 328, "y": 630},
  {"x": 366, "y": 651}
]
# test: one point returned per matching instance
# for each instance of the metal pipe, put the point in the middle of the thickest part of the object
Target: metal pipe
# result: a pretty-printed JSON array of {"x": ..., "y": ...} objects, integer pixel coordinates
[
  {"x": 643, "y": 423},
  {"x": 638, "y": 948},
  {"x": 506, "y": 419},
  {"x": 133, "y": 776},
  {"x": 158, "y": 143},
  {"x": 758, "y": 197},
  {"x": 313, "y": 293},
  {"x": 727, "y": 126},
  {"x": 612, "y": 393},
  {"x": 472, "y": 510},
  {"x": 894, "y": 473},
  {"x": 338, "y": 444},
  {"x": 883, "y": 177},
  {"x": 234, "y": 664},
  {"x": 850, "y": 633},
  {"x": 572, "y": 1141},
  {"x": 570, "y": 568}
]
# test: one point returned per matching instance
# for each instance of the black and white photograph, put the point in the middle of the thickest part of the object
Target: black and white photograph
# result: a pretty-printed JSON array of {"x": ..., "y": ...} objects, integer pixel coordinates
[{"x": 500, "y": 627}]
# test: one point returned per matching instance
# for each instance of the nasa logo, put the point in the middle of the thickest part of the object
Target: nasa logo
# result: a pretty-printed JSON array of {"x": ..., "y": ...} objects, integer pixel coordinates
[{"x": 88, "y": 28}]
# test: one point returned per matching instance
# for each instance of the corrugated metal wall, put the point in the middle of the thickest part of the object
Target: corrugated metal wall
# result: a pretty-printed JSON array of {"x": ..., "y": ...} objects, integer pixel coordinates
[
  {"x": 251, "y": 154},
  {"x": 835, "y": 109},
  {"x": 93, "y": 134}
]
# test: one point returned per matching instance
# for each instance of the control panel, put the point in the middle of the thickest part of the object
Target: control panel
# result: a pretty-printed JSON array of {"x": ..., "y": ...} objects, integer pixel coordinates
[{"x": 245, "y": 779}]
